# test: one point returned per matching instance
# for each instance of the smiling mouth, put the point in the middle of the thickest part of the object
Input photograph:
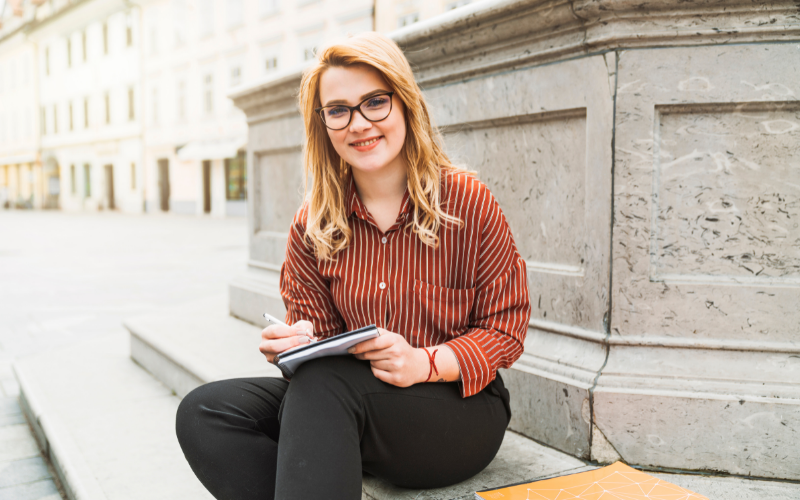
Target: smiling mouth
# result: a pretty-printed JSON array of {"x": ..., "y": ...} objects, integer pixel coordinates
[{"x": 365, "y": 143}]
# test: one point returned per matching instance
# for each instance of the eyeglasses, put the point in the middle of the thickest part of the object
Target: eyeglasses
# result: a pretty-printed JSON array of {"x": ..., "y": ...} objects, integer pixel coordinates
[{"x": 374, "y": 109}]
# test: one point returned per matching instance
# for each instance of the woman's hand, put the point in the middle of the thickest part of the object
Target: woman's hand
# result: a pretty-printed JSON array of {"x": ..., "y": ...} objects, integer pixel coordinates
[
  {"x": 278, "y": 338},
  {"x": 393, "y": 360}
]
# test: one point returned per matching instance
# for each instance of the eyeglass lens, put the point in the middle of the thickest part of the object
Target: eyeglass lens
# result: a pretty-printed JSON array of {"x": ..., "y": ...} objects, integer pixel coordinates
[{"x": 374, "y": 109}]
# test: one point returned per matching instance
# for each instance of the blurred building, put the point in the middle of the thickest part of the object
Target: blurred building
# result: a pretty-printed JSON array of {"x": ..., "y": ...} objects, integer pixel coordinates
[
  {"x": 121, "y": 104},
  {"x": 89, "y": 82},
  {"x": 194, "y": 53},
  {"x": 393, "y": 14},
  {"x": 23, "y": 183}
]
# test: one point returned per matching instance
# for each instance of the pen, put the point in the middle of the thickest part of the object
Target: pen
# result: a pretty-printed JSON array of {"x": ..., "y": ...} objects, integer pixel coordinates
[{"x": 273, "y": 319}]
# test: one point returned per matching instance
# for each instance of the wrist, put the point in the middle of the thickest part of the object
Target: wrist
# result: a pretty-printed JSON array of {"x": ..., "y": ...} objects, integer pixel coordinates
[{"x": 424, "y": 365}]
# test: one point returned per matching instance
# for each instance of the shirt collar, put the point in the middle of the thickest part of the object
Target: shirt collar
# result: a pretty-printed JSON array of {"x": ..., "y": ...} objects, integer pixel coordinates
[{"x": 356, "y": 206}]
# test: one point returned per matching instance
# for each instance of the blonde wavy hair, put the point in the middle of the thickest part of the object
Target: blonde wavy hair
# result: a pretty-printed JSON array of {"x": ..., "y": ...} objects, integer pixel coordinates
[{"x": 326, "y": 227}]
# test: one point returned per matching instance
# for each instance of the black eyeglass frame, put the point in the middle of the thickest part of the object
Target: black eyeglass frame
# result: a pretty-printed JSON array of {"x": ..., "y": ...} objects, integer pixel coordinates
[{"x": 354, "y": 109}]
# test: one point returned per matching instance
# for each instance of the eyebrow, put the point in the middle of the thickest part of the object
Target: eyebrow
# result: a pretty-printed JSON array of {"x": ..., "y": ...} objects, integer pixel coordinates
[{"x": 360, "y": 99}]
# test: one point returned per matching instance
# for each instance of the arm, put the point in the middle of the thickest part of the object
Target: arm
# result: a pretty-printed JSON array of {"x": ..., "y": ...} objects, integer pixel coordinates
[
  {"x": 500, "y": 314},
  {"x": 306, "y": 294}
]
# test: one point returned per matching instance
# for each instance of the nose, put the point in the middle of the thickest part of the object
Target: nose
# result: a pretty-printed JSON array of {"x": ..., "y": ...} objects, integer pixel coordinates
[{"x": 359, "y": 123}]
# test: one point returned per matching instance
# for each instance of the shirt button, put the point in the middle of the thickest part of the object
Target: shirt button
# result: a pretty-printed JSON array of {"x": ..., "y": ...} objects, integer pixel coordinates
[
  {"x": 383, "y": 240},
  {"x": 382, "y": 285}
]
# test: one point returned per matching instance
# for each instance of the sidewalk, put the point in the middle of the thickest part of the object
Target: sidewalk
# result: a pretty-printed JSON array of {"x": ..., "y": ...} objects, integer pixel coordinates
[{"x": 66, "y": 278}]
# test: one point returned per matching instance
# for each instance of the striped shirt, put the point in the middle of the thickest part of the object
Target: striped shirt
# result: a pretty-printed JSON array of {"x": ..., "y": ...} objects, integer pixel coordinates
[{"x": 470, "y": 293}]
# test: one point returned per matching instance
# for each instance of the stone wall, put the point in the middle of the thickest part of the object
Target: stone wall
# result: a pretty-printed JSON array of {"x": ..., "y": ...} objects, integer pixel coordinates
[{"x": 647, "y": 156}]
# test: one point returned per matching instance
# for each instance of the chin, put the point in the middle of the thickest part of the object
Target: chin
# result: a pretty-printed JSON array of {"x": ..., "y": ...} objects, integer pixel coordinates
[{"x": 368, "y": 165}]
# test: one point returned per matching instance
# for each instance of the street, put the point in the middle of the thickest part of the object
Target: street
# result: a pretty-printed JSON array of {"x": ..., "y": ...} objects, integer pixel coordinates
[{"x": 69, "y": 277}]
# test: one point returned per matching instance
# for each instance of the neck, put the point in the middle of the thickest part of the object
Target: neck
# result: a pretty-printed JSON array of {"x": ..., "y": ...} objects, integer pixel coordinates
[{"x": 388, "y": 183}]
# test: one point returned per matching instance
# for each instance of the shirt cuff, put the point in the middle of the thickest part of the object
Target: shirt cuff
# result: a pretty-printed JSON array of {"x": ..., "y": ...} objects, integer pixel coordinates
[{"x": 476, "y": 372}]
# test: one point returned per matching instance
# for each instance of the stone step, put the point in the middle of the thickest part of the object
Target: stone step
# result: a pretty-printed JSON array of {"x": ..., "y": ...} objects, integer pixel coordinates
[
  {"x": 108, "y": 426},
  {"x": 196, "y": 343}
]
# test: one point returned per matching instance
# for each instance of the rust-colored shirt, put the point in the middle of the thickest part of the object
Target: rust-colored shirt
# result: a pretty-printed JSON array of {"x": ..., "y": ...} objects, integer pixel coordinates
[{"x": 470, "y": 293}]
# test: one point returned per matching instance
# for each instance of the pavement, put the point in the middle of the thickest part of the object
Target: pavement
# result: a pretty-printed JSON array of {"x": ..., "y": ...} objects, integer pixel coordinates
[{"x": 70, "y": 277}]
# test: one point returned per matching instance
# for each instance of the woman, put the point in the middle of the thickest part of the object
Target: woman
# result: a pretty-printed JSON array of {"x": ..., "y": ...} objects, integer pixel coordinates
[{"x": 391, "y": 234}]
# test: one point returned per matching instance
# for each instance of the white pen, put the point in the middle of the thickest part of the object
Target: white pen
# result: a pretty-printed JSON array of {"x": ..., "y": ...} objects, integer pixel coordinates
[{"x": 273, "y": 319}]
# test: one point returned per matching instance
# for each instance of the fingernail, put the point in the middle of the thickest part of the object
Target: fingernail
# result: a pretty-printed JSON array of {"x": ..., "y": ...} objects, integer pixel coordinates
[
  {"x": 303, "y": 339},
  {"x": 351, "y": 350}
]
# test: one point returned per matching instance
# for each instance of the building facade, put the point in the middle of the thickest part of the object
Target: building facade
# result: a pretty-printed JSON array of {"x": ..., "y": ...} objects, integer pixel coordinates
[
  {"x": 89, "y": 88},
  {"x": 395, "y": 14},
  {"x": 23, "y": 183},
  {"x": 194, "y": 54}
]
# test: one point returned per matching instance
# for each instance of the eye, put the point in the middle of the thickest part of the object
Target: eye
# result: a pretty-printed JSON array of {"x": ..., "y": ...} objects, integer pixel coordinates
[
  {"x": 336, "y": 111},
  {"x": 377, "y": 102}
]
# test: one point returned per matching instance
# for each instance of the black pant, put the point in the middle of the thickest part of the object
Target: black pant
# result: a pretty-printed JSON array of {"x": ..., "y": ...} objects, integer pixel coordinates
[{"x": 263, "y": 438}]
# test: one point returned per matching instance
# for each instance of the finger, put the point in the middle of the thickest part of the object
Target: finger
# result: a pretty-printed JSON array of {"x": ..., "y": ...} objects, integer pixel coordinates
[
  {"x": 303, "y": 327},
  {"x": 376, "y": 355},
  {"x": 382, "y": 375},
  {"x": 278, "y": 346},
  {"x": 277, "y": 332},
  {"x": 381, "y": 342}
]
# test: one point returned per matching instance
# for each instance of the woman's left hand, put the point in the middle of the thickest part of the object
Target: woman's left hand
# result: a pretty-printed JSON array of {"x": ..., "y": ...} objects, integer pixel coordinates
[{"x": 393, "y": 360}]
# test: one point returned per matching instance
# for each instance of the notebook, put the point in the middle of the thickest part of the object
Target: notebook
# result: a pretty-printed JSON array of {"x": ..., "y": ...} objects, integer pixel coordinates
[
  {"x": 288, "y": 361},
  {"x": 614, "y": 482}
]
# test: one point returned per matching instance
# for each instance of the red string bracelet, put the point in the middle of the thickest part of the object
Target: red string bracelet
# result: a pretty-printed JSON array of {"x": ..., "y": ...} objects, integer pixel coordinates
[{"x": 431, "y": 358}]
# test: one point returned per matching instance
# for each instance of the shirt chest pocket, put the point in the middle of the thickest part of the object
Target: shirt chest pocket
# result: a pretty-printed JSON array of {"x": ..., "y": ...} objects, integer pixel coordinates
[{"x": 443, "y": 313}]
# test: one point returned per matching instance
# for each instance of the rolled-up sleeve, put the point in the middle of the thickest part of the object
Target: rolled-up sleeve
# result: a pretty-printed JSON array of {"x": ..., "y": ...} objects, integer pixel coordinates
[
  {"x": 501, "y": 311},
  {"x": 305, "y": 292}
]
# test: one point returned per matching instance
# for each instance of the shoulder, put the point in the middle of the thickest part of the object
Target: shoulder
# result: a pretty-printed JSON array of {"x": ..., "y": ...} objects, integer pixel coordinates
[
  {"x": 464, "y": 194},
  {"x": 297, "y": 230},
  {"x": 300, "y": 219}
]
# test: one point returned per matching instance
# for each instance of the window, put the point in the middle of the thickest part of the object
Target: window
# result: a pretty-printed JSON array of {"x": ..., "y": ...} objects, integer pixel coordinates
[
  {"x": 206, "y": 10},
  {"x": 43, "y": 121},
  {"x": 407, "y": 19},
  {"x": 153, "y": 38},
  {"x": 131, "y": 105},
  {"x": 47, "y": 61},
  {"x": 236, "y": 177},
  {"x": 236, "y": 75},
  {"x": 235, "y": 11},
  {"x": 309, "y": 53},
  {"x": 181, "y": 100},
  {"x": 72, "y": 185},
  {"x": 107, "y": 99},
  {"x": 55, "y": 119},
  {"x": 133, "y": 176},
  {"x": 128, "y": 31},
  {"x": 270, "y": 63},
  {"x": 456, "y": 4},
  {"x": 71, "y": 126},
  {"x": 155, "y": 106},
  {"x": 85, "y": 112},
  {"x": 208, "y": 94},
  {"x": 83, "y": 44},
  {"x": 105, "y": 38},
  {"x": 269, "y": 7},
  {"x": 87, "y": 180},
  {"x": 69, "y": 53},
  {"x": 179, "y": 21}
]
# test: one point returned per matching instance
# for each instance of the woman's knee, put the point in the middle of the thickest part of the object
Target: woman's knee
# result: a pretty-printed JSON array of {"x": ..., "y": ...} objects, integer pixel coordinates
[{"x": 190, "y": 415}]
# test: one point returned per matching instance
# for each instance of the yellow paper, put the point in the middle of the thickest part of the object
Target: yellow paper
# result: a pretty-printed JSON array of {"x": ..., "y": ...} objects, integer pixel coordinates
[{"x": 615, "y": 482}]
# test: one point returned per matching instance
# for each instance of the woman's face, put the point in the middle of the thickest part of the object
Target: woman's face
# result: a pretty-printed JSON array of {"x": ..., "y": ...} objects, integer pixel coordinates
[{"x": 367, "y": 146}]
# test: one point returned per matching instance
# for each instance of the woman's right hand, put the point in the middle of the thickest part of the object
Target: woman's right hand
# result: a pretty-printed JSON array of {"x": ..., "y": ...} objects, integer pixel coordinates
[{"x": 278, "y": 338}]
